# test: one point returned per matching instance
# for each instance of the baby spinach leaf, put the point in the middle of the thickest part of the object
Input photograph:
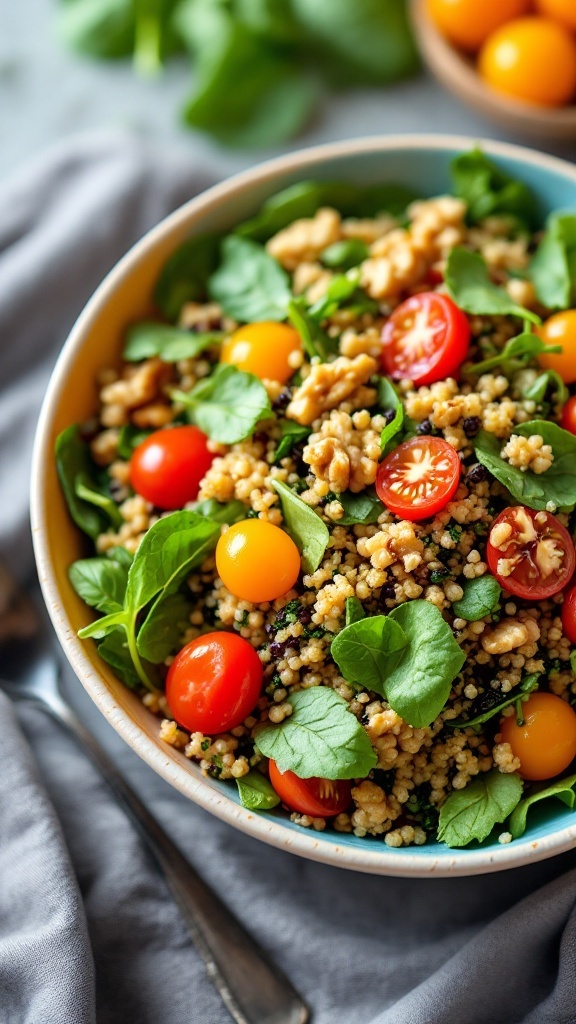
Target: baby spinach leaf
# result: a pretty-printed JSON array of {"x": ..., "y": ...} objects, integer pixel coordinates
[
  {"x": 227, "y": 405},
  {"x": 184, "y": 277},
  {"x": 256, "y": 792},
  {"x": 86, "y": 490},
  {"x": 100, "y": 582},
  {"x": 162, "y": 630},
  {"x": 74, "y": 465},
  {"x": 471, "y": 813},
  {"x": 562, "y": 789},
  {"x": 388, "y": 398},
  {"x": 488, "y": 190},
  {"x": 129, "y": 439},
  {"x": 469, "y": 284},
  {"x": 354, "y": 610},
  {"x": 104, "y": 29},
  {"x": 546, "y": 386},
  {"x": 516, "y": 353},
  {"x": 557, "y": 484},
  {"x": 315, "y": 341},
  {"x": 366, "y": 651},
  {"x": 419, "y": 683},
  {"x": 114, "y": 649},
  {"x": 363, "y": 508},
  {"x": 345, "y": 254},
  {"x": 149, "y": 339},
  {"x": 528, "y": 686},
  {"x": 291, "y": 433},
  {"x": 250, "y": 284},
  {"x": 307, "y": 530},
  {"x": 481, "y": 595},
  {"x": 229, "y": 512},
  {"x": 321, "y": 738},
  {"x": 553, "y": 266}
]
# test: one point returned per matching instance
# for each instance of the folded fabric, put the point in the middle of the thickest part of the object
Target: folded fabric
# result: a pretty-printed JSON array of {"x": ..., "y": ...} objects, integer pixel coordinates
[{"x": 88, "y": 932}]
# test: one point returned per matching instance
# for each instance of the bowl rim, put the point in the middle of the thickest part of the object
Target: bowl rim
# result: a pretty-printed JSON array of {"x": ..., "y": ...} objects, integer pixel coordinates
[{"x": 382, "y": 860}]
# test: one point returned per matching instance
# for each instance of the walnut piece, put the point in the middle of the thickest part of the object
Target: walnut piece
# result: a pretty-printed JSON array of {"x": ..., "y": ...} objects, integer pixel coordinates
[
  {"x": 329, "y": 384},
  {"x": 508, "y": 635},
  {"x": 342, "y": 455},
  {"x": 304, "y": 239}
]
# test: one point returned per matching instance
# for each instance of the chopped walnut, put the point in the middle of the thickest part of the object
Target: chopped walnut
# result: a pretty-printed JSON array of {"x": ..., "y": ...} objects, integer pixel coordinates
[
  {"x": 342, "y": 455},
  {"x": 139, "y": 385},
  {"x": 329, "y": 384},
  {"x": 198, "y": 316},
  {"x": 394, "y": 542},
  {"x": 508, "y": 635},
  {"x": 304, "y": 240},
  {"x": 528, "y": 453}
]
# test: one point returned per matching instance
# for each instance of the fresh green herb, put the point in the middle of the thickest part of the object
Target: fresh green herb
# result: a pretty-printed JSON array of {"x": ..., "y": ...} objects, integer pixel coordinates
[
  {"x": 229, "y": 512},
  {"x": 227, "y": 405},
  {"x": 343, "y": 292},
  {"x": 388, "y": 398},
  {"x": 129, "y": 439},
  {"x": 481, "y": 595},
  {"x": 256, "y": 792},
  {"x": 455, "y": 532},
  {"x": 315, "y": 341},
  {"x": 469, "y": 284},
  {"x": 306, "y": 528},
  {"x": 321, "y": 738},
  {"x": 528, "y": 686},
  {"x": 557, "y": 485},
  {"x": 291, "y": 433},
  {"x": 548, "y": 385},
  {"x": 439, "y": 575},
  {"x": 184, "y": 277},
  {"x": 170, "y": 549},
  {"x": 516, "y": 353},
  {"x": 162, "y": 630},
  {"x": 488, "y": 190},
  {"x": 114, "y": 650},
  {"x": 86, "y": 490},
  {"x": 553, "y": 266},
  {"x": 75, "y": 467},
  {"x": 354, "y": 610},
  {"x": 471, "y": 813},
  {"x": 249, "y": 284},
  {"x": 148, "y": 339},
  {"x": 562, "y": 789},
  {"x": 100, "y": 582},
  {"x": 363, "y": 508},
  {"x": 345, "y": 254}
]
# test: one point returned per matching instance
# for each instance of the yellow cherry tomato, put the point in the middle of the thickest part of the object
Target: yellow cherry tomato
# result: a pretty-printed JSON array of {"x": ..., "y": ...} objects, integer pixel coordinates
[
  {"x": 546, "y": 743},
  {"x": 467, "y": 23},
  {"x": 257, "y": 561},
  {"x": 560, "y": 329},
  {"x": 563, "y": 11},
  {"x": 531, "y": 59},
  {"x": 263, "y": 349}
]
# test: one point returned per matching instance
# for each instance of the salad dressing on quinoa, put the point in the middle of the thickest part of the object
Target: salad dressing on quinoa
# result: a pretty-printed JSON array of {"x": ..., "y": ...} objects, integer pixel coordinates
[{"x": 331, "y": 495}]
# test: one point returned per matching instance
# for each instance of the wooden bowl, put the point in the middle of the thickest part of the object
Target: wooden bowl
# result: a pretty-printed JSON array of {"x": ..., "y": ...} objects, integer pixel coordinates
[{"x": 458, "y": 73}]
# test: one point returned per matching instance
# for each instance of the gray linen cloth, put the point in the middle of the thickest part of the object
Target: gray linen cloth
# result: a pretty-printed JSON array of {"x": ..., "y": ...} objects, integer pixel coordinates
[{"x": 88, "y": 932}]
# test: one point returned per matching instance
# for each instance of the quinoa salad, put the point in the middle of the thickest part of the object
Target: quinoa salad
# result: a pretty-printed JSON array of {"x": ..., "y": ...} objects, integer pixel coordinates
[{"x": 329, "y": 501}]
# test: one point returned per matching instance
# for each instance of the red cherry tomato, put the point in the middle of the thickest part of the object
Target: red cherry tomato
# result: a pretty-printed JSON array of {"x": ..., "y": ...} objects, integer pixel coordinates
[
  {"x": 530, "y": 553},
  {"x": 168, "y": 466},
  {"x": 214, "y": 683},
  {"x": 419, "y": 477},
  {"x": 568, "y": 421},
  {"x": 425, "y": 339},
  {"x": 546, "y": 743},
  {"x": 320, "y": 798},
  {"x": 569, "y": 615}
]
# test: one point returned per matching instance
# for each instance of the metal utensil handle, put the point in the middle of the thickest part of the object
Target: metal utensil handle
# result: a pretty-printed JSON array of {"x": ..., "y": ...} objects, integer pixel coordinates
[{"x": 253, "y": 989}]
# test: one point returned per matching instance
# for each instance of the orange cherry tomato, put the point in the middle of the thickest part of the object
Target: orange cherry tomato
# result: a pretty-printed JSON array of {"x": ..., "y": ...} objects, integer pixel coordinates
[
  {"x": 263, "y": 349},
  {"x": 531, "y": 59},
  {"x": 563, "y": 11},
  {"x": 166, "y": 469},
  {"x": 569, "y": 615},
  {"x": 320, "y": 798},
  {"x": 214, "y": 683},
  {"x": 425, "y": 339},
  {"x": 537, "y": 557},
  {"x": 257, "y": 561},
  {"x": 419, "y": 477},
  {"x": 467, "y": 23},
  {"x": 568, "y": 421},
  {"x": 546, "y": 743},
  {"x": 560, "y": 329}
]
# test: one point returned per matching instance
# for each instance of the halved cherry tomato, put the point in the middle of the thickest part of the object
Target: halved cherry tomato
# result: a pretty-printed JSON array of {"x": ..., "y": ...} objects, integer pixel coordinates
[
  {"x": 530, "y": 553},
  {"x": 168, "y": 466},
  {"x": 257, "y": 561},
  {"x": 546, "y": 743},
  {"x": 320, "y": 798},
  {"x": 419, "y": 477},
  {"x": 467, "y": 23},
  {"x": 214, "y": 683},
  {"x": 568, "y": 421},
  {"x": 263, "y": 349},
  {"x": 531, "y": 59},
  {"x": 569, "y": 615},
  {"x": 560, "y": 329},
  {"x": 425, "y": 339}
]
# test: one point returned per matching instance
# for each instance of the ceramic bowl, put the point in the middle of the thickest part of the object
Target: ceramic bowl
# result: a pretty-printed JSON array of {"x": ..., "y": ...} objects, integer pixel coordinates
[
  {"x": 458, "y": 73},
  {"x": 421, "y": 162}
]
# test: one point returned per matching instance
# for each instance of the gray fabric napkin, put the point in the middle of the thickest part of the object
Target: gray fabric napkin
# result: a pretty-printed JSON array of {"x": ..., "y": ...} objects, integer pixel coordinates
[{"x": 88, "y": 932}]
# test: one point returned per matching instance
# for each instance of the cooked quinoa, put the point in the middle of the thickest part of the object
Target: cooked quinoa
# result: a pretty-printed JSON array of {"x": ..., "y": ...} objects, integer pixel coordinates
[{"x": 383, "y": 563}]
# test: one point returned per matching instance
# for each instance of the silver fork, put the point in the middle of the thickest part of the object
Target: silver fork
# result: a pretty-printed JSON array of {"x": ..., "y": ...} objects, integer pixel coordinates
[{"x": 252, "y": 987}]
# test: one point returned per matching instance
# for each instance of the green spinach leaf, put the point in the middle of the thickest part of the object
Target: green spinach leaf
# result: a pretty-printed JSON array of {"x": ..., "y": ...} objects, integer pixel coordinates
[
  {"x": 114, "y": 650},
  {"x": 345, "y": 254},
  {"x": 388, "y": 398},
  {"x": 184, "y": 277},
  {"x": 291, "y": 433},
  {"x": 222, "y": 512},
  {"x": 249, "y": 284},
  {"x": 516, "y": 353},
  {"x": 87, "y": 490},
  {"x": 553, "y": 266},
  {"x": 104, "y": 29},
  {"x": 75, "y": 467},
  {"x": 148, "y": 339},
  {"x": 488, "y": 190},
  {"x": 321, "y": 738},
  {"x": 163, "y": 628},
  {"x": 557, "y": 484},
  {"x": 562, "y": 789},
  {"x": 548, "y": 384},
  {"x": 354, "y": 610},
  {"x": 471, "y": 813},
  {"x": 363, "y": 508},
  {"x": 256, "y": 792},
  {"x": 469, "y": 285},
  {"x": 307, "y": 530},
  {"x": 366, "y": 651},
  {"x": 227, "y": 405},
  {"x": 129, "y": 439},
  {"x": 315, "y": 341},
  {"x": 481, "y": 595},
  {"x": 100, "y": 582}
]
